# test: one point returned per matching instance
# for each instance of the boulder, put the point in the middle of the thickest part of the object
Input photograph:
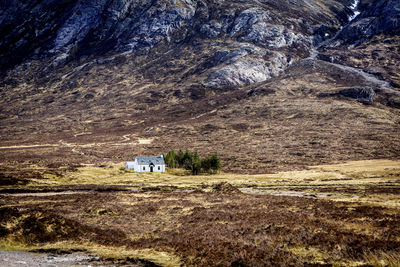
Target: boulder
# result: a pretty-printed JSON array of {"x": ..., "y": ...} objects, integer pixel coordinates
[{"x": 365, "y": 95}]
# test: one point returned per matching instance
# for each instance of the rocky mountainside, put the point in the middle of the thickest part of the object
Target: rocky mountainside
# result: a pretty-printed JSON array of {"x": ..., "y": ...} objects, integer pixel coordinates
[
  {"x": 268, "y": 84},
  {"x": 238, "y": 32}
]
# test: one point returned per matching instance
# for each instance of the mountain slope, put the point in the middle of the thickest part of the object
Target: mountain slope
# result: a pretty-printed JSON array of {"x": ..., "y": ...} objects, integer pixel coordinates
[{"x": 268, "y": 84}]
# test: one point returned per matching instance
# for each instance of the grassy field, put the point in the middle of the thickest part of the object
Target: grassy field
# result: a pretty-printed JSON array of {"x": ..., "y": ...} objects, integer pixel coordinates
[
  {"x": 353, "y": 172},
  {"x": 344, "y": 214}
]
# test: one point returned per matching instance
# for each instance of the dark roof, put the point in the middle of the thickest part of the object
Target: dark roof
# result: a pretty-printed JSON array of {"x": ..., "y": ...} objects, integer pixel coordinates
[{"x": 148, "y": 160}]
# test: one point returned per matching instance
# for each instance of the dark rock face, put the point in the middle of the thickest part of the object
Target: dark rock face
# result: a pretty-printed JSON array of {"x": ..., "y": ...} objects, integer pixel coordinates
[
  {"x": 52, "y": 26},
  {"x": 381, "y": 16},
  {"x": 256, "y": 40},
  {"x": 28, "y": 27},
  {"x": 323, "y": 33},
  {"x": 71, "y": 29}
]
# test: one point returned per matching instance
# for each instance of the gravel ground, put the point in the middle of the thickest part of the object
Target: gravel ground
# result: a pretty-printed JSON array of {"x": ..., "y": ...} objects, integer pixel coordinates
[
  {"x": 31, "y": 259},
  {"x": 20, "y": 258}
]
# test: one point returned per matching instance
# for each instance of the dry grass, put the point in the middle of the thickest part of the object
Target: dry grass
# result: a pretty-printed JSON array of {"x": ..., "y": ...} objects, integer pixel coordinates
[
  {"x": 382, "y": 259},
  {"x": 158, "y": 257},
  {"x": 222, "y": 227},
  {"x": 213, "y": 223},
  {"x": 375, "y": 182},
  {"x": 350, "y": 173},
  {"x": 281, "y": 124}
]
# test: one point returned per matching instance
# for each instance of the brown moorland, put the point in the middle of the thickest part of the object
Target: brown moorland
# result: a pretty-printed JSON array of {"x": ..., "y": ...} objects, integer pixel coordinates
[
  {"x": 301, "y": 118},
  {"x": 343, "y": 214}
]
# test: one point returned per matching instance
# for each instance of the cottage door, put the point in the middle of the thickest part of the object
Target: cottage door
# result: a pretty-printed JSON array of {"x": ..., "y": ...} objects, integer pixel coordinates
[{"x": 151, "y": 168}]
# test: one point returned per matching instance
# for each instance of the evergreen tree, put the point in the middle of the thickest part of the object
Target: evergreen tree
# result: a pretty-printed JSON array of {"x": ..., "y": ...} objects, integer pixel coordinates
[
  {"x": 215, "y": 163},
  {"x": 187, "y": 160},
  {"x": 192, "y": 161},
  {"x": 170, "y": 159},
  {"x": 196, "y": 165},
  {"x": 179, "y": 159},
  {"x": 206, "y": 164}
]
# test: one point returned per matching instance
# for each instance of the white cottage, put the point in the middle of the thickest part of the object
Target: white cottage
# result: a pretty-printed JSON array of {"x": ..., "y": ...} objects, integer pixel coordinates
[{"x": 147, "y": 164}]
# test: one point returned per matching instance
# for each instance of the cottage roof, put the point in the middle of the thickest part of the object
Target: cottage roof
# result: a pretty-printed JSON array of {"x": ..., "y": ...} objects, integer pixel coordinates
[{"x": 148, "y": 160}]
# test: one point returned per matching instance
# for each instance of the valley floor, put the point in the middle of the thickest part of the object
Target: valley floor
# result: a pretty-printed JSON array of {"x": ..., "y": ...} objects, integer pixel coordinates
[{"x": 340, "y": 214}]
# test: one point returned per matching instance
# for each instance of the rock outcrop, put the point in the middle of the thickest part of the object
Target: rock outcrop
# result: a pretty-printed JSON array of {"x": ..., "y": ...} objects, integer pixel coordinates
[
  {"x": 68, "y": 30},
  {"x": 67, "y": 26},
  {"x": 261, "y": 60},
  {"x": 245, "y": 65},
  {"x": 376, "y": 17},
  {"x": 248, "y": 41}
]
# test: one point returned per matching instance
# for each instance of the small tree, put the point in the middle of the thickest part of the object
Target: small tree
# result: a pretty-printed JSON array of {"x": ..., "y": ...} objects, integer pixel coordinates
[
  {"x": 215, "y": 163},
  {"x": 206, "y": 164},
  {"x": 170, "y": 159},
  {"x": 180, "y": 159},
  {"x": 196, "y": 164},
  {"x": 188, "y": 160},
  {"x": 192, "y": 161}
]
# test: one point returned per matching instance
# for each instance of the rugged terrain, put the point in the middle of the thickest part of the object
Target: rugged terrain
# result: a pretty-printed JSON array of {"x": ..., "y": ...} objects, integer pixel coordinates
[
  {"x": 276, "y": 87},
  {"x": 330, "y": 215},
  {"x": 269, "y": 85}
]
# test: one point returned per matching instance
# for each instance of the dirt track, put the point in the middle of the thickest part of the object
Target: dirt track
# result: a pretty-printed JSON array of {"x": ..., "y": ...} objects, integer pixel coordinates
[
  {"x": 49, "y": 259},
  {"x": 19, "y": 258}
]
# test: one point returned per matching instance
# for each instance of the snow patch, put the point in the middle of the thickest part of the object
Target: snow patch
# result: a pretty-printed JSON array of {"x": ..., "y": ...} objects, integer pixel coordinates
[
  {"x": 353, "y": 8},
  {"x": 61, "y": 57}
]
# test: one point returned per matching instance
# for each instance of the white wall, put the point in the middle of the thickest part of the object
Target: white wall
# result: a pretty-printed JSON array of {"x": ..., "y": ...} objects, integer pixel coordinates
[
  {"x": 146, "y": 168},
  {"x": 139, "y": 168},
  {"x": 130, "y": 165}
]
